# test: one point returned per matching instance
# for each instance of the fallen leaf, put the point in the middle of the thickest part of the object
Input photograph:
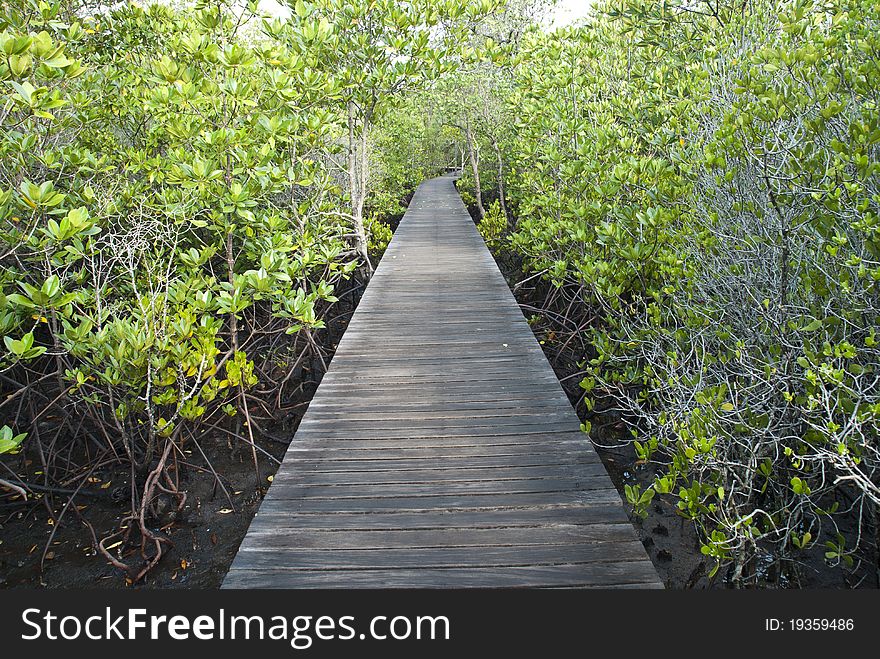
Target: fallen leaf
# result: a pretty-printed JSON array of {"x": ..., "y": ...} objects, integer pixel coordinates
[
  {"x": 225, "y": 511},
  {"x": 113, "y": 546},
  {"x": 183, "y": 564},
  {"x": 106, "y": 485},
  {"x": 50, "y": 555},
  {"x": 213, "y": 538},
  {"x": 270, "y": 478}
]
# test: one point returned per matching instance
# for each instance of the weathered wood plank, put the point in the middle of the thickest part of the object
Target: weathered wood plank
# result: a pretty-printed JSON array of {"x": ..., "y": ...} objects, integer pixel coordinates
[
  {"x": 288, "y": 489},
  {"x": 477, "y": 433},
  {"x": 590, "y": 575},
  {"x": 487, "y": 445},
  {"x": 445, "y": 422},
  {"x": 440, "y": 449},
  {"x": 342, "y": 474},
  {"x": 271, "y": 540},
  {"x": 441, "y": 557},
  {"x": 357, "y": 415},
  {"x": 436, "y": 502},
  {"x": 454, "y": 463},
  {"x": 285, "y": 521}
]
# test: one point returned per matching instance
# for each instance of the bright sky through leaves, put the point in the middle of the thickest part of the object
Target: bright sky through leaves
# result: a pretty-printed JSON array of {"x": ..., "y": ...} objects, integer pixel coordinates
[{"x": 567, "y": 11}]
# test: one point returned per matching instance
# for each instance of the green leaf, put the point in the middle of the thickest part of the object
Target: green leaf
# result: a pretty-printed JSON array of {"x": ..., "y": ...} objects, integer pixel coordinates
[
  {"x": 20, "y": 300},
  {"x": 25, "y": 91},
  {"x": 9, "y": 441}
]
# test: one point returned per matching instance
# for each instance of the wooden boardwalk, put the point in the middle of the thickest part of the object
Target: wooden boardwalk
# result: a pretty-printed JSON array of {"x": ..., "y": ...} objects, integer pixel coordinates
[{"x": 440, "y": 449}]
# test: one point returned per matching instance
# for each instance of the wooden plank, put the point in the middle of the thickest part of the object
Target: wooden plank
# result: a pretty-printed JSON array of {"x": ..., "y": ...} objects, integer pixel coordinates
[
  {"x": 284, "y": 521},
  {"x": 448, "y": 502},
  {"x": 557, "y": 419},
  {"x": 343, "y": 475},
  {"x": 454, "y": 463},
  {"x": 596, "y": 575},
  {"x": 271, "y": 540},
  {"x": 440, "y": 557},
  {"x": 426, "y": 445},
  {"x": 319, "y": 453},
  {"x": 440, "y": 449},
  {"x": 476, "y": 433},
  {"x": 505, "y": 444},
  {"x": 425, "y": 408},
  {"x": 369, "y": 414},
  {"x": 461, "y": 379},
  {"x": 286, "y": 489},
  {"x": 473, "y": 389}
]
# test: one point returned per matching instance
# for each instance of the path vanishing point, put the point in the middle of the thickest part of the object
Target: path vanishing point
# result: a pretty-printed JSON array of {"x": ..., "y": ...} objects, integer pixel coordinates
[{"x": 440, "y": 449}]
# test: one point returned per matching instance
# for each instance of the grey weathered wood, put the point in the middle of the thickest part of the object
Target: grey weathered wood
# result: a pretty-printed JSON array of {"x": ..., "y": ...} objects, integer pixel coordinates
[
  {"x": 437, "y": 503},
  {"x": 487, "y": 555},
  {"x": 281, "y": 521},
  {"x": 272, "y": 541},
  {"x": 439, "y": 449},
  {"x": 638, "y": 574}
]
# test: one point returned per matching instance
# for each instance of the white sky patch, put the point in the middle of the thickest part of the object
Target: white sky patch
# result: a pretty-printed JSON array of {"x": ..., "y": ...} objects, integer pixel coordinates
[
  {"x": 569, "y": 11},
  {"x": 275, "y": 8}
]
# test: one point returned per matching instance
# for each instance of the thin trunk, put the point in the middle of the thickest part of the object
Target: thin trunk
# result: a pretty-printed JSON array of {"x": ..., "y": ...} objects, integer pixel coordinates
[
  {"x": 230, "y": 277},
  {"x": 501, "y": 193},
  {"x": 294, "y": 207},
  {"x": 475, "y": 166},
  {"x": 233, "y": 340},
  {"x": 357, "y": 184}
]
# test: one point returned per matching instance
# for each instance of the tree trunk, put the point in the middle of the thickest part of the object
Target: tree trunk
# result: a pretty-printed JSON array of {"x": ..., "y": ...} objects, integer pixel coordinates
[
  {"x": 501, "y": 193},
  {"x": 475, "y": 166},
  {"x": 357, "y": 183}
]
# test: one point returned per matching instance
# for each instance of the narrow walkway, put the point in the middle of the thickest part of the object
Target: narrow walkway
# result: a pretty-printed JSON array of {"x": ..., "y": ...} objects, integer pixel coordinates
[{"x": 440, "y": 449}]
